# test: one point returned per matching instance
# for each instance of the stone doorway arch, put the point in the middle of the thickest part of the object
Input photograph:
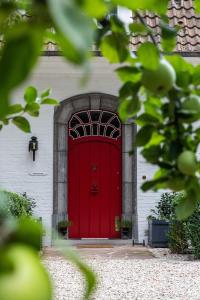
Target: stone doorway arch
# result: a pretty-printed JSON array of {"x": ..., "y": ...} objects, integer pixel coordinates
[{"x": 62, "y": 115}]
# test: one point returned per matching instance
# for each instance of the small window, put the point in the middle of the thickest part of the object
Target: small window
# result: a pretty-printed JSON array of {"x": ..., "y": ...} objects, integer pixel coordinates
[
  {"x": 84, "y": 117},
  {"x": 95, "y": 116},
  {"x": 106, "y": 117},
  {"x": 101, "y": 131},
  {"x": 88, "y": 131},
  {"x": 94, "y": 129},
  {"x": 74, "y": 122},
  {"x": 109, "y": 130},
  {"x": 94, "y": 123},
  {"x": 115, "y": 122},
  {"x": 74, "y": 134},
  {"x": 80, "y": 130},
  {"x": 116, "y": 134}
]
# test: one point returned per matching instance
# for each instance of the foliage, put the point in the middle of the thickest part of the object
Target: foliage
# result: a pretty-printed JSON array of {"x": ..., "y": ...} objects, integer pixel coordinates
[
  {"x": 193, "y": 232},
  {"x": 20, "y": 205},
  {"x": 178, "y": 242},
  {"x": 167, "y": 124},
  {"x": 124, "y": 223},
  {"x": 63, "y": 224}
]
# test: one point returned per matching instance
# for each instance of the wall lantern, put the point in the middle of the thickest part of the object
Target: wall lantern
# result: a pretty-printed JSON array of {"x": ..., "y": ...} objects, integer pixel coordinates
[{"x": 33, "y": 145}]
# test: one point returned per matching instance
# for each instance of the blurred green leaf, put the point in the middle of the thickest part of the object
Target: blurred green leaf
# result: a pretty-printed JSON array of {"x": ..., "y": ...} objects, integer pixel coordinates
[
  {"x": 94, "y": 8},
  {"x": 29, "y": 232},
  {"x": 144, "y": 135},
  {"x": 184, "y": 70},
  {"x": 127, "y": 73},
  {"x": 26, "y": 42},
  {"x": 88, "y": 274},
  {"x": 22, "y": 124},
  {"x": 30, "y": 94},
  {"x": 128, "y": 108},
  {"x": 149, "y": 55},
  {"x": 152, "y": 5},
  {"x": 145, "y": 119},
  {"x": 15, "y": 108},
  {"x": 138, "y": 28},
  {"x": 50, "y": 101},
  {"x": 196, "y": 75},
  {"x": 46, "y": 93},
  {"x": 32, "y": 107},
  {"x": 186, "y": 207},
  {"x": 197, "y": 6},
  {"x": 76, "y": 27},
  {"x": 114, "y": 47},
  {"x": 168, "y": 35},
  {"x": 152, "y": 183}
]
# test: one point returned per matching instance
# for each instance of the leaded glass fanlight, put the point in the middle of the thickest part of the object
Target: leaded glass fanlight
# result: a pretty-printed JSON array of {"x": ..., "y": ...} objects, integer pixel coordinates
[{"x": 94, "y": 123}]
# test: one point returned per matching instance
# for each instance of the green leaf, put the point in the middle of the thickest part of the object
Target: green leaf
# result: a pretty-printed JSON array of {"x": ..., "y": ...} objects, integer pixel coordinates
[
  {"x": 114, "y": 47},
  {"x": 196, "y": 75},
  {"x": 149, "y": 56},
  {"x": 14, "y": 109},
  {"x": 46, "y": 93},
  {"x": 32, "y": 107},
  {"x": 197, "y": 6},
  {"x": 28, "y": 232},
  {"x": 129, "y": 90},
  {"x": 152, "y": 154},
  {"x": 26, "y": 42},
  {"x": 146, "y": 119},
  {"x": 30, "y": 94},
  {"x": 138, "y": 28},
  {"x": 184, "y": 70},
  {"x": 76, "y": 27},
  {"x": 186, "y": 207},
  {"x": 127, "y": 73},
  {"x": 94, "y": 8},
  {"x": 152, "y": 183},
  {"x": 129, "y": 108},
  {"x": 50, "y": 101},
  {"x": 144, "y": 135},
  {"x": 22, "y": 124},
  {"x": 168, "y": 35},
  {"x": 86, "y": 271},
  {"x": 117, "y": 25},
  {"x": 152, "y": 5},
  {"x": 156, "y": 139}
]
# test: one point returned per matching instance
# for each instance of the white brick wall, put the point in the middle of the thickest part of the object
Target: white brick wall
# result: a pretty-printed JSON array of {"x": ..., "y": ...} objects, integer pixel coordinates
[{"x": 15, "y": 160}]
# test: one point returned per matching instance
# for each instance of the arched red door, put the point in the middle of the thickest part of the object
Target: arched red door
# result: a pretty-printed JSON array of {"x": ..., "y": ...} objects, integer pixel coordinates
[{"x": 94, "y": 175}]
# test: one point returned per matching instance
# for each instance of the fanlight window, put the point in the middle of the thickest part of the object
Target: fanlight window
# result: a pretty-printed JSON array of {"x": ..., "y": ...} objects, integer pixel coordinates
[{"x": 94, "y": 123}]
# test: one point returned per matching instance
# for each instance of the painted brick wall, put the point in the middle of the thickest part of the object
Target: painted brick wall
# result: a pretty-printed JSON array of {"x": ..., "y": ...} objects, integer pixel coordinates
[{"x": 16, "y": 166}]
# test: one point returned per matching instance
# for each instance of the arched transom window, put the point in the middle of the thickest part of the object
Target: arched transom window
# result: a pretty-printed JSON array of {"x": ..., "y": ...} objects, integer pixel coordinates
[{"x": 94, "y": 123}]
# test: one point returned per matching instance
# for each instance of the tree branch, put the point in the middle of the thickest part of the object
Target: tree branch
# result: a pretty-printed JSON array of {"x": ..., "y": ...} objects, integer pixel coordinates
[{"x": 144, "y": 23}]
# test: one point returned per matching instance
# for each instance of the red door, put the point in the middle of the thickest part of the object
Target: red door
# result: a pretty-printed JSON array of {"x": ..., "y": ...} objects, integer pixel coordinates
[{"x": 94, "y": 168}]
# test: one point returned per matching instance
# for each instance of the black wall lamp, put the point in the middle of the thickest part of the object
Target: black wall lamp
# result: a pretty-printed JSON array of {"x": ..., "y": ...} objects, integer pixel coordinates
[{"x": 33, "y": 145}]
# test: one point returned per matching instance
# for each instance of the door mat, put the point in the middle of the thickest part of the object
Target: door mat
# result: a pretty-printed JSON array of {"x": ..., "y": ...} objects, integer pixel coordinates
[{"x": 94, "y": 246}]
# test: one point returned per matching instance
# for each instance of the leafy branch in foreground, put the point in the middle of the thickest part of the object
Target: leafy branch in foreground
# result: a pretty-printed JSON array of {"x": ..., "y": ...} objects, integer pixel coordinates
[{"x": 33, "y": 103}]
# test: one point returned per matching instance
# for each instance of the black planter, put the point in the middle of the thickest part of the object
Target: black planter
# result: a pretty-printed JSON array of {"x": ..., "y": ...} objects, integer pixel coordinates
[
  {"x": 158, "y": 233},
  {"x": 126, "y": 233},
  {"x": 62, "y": 231}
]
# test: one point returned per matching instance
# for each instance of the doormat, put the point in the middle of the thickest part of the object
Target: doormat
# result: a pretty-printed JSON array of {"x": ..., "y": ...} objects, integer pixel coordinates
[{"x": 94, "y": 246}]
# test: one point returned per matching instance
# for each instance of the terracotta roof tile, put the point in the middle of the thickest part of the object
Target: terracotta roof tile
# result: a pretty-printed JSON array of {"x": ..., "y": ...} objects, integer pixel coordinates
[{"x": 180, "y": 12}]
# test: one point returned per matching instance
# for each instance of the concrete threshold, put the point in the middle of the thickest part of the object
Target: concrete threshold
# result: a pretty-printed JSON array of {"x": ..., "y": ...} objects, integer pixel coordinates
[{"x": 114, "y": 242}]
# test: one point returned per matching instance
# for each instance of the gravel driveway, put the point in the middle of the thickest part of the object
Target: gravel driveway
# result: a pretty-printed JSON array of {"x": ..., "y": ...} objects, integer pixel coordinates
[{"x": 129, "y": 278}]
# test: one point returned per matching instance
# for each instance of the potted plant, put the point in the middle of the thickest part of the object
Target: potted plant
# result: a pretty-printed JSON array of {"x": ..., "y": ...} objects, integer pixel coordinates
[
  {"x": 126, "y": 229},
  {"x": 62, "y": 227},
  {"x": 159, "y": 221}
]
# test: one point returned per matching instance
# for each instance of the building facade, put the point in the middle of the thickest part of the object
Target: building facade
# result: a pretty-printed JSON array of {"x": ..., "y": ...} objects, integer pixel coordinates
[{"x": 83, "y": 169}]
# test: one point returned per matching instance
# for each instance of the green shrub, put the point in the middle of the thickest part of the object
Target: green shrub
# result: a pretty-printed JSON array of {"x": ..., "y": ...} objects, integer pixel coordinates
[
  {"x": 177, "y": 237},
  {"x": 193, "y": 232},
  {"x": 20, "y": 205}
]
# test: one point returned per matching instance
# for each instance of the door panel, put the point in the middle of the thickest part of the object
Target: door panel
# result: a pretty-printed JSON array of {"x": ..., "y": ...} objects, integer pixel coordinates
[{"x": 94, "y": 186}]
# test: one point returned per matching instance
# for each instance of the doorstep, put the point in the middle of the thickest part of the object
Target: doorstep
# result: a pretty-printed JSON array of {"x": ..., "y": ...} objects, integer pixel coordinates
[{"x": 76, "y": 242}]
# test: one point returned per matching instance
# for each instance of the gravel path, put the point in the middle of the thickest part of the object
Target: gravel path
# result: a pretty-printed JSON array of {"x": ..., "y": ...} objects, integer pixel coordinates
[{"x": 121, "y": 279}]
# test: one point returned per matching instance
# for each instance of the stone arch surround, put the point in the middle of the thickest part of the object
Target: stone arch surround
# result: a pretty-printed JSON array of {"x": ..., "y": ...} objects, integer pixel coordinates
[{"x": 62, "y": 115}]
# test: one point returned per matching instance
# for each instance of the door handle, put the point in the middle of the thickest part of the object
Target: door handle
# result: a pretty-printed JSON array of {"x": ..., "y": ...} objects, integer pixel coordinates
[
  {"x": 94, "y": 189},
  {"x": 117, "y": 223}
]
